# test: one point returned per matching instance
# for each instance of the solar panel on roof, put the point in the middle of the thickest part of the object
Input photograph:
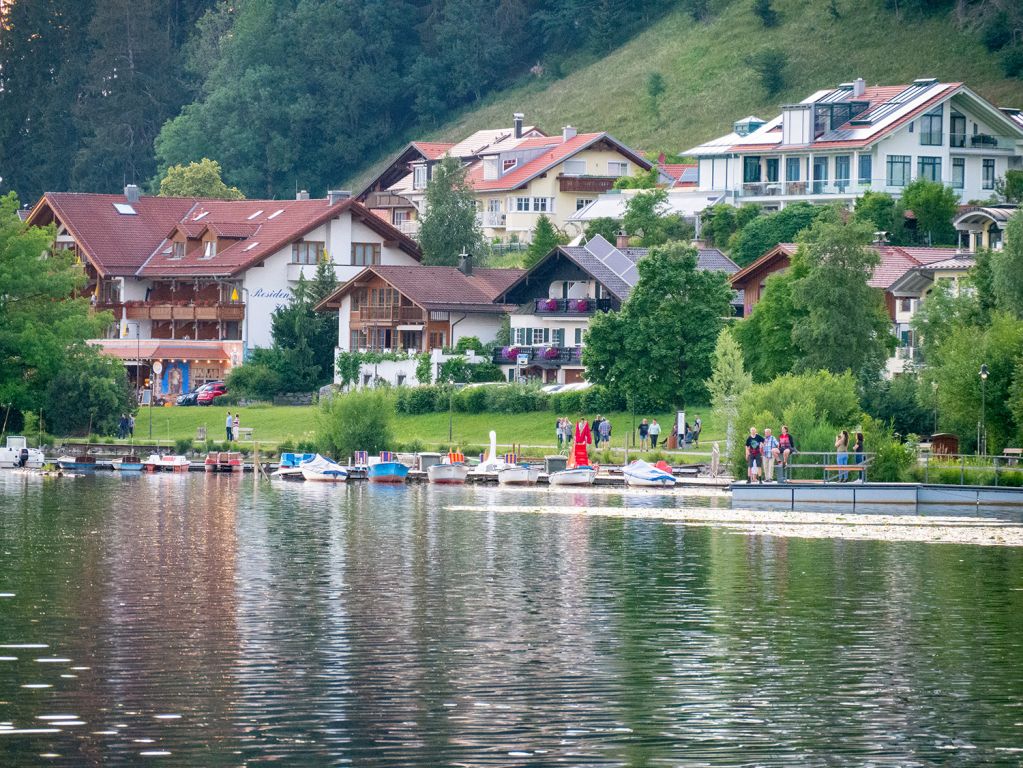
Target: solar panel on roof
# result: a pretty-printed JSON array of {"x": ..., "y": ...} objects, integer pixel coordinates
[
  {"x": 275, "y": 214},
  {"x": 631, "y": 275},
  {"x": 254, "y": 215},
  {"x": 599, "y": 247},
  {"x": 618, "y": 263},
  {"x": 893, "y": 104}
]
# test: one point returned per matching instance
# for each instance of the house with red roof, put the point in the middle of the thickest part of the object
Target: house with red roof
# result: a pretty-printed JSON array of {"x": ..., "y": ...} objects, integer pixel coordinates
[
  {"x": 193, "y": 283},
  {"x": 840, "y": 142}
]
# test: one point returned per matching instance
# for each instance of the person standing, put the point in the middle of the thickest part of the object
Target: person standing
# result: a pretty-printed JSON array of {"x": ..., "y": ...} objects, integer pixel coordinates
[
  {"x": 697, "y": 429},
  {"x": 237, "y": 425},
  {"x": 559, "y": 432},
  {"x": 605, "y": 432},
  {"x": 842, "y": 454},
  {"x": 858, "y": 450},
  {"x": 653, "y": 432},
  {"x": 131, "y": 425},
  {"x": 754, "y": 455},
  {"x": 583, "y": 437},
  {"x": 229, "y": 426},
  {"x": 644, "y": 426},
  {"x": 770, "y": 449},
  {"x": 122, "y": 427}
]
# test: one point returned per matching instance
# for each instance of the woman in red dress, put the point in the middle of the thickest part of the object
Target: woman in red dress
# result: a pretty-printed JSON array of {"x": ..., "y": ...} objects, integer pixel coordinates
[{"x": 583, "y": 438}]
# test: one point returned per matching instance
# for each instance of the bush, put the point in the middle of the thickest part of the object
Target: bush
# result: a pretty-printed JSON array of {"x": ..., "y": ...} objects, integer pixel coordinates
[
  {"x": 356, "y": 421},
  {"x": 306, "y": 446},
  {"x": 769, "y": 64},
  {"x": 254, "y": 380},
  {"x": 89, "y": 394},
  {"x": 600, "y": 399},
  {"x": 470, "y": 400},
  {"x": 286, "y": 447},
  {"x": 416, "y": 400},
  {"x": 564, "y": 403},
  {"x": 183, "y": 445}
]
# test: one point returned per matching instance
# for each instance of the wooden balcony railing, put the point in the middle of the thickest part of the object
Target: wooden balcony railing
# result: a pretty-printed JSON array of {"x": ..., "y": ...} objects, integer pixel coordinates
[
  {"x": 152, "y": 310},
  {"x": 388, "y": 314},
  {"x": 594, "y": 184}
]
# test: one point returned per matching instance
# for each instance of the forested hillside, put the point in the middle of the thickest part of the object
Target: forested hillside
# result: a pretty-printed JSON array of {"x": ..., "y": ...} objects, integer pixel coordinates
[{"x": 310, "y": 93}]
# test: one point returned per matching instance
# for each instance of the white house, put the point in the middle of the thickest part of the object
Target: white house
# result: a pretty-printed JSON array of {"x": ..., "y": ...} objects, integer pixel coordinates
[{"x": 840, "y": 142}]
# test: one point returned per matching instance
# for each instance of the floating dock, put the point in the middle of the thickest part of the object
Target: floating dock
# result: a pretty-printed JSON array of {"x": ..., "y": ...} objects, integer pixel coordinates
[{"x": 791, "y": 495}]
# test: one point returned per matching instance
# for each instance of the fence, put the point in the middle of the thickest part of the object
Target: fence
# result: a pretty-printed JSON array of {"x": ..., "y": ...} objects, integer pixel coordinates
[
  {"x": 821, "y": 467},
  {"x": 963, "y": 469}
]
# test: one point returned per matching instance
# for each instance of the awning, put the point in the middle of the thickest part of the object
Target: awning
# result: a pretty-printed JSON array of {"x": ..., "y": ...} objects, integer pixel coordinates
[{"x": 155, "y": 349}]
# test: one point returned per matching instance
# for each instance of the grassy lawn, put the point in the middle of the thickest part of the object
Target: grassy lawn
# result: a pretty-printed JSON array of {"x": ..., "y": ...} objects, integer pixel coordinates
[{"x": 275, "y": 424}]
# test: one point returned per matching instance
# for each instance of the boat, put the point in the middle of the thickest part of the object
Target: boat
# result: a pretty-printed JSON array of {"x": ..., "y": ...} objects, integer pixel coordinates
[
  {"x": 573, "y": 476},
  {"x": 518, "y": 474},
  {"x": 323, "y": 470},
  {"x": 289, "y": 468},
  {"x": 451, "y": 471},
  {"x": 17, "y": 454},
  {"x": 129, "y": 463},
  {"x": 387, "y": 470},
  {"x": 491, "y": 464},
  {"x": 641, "y": 474},
  {"x": 158, "y": 463},
  {"x": 223, "y": 461},
  {"x": 81, "y": 463}
]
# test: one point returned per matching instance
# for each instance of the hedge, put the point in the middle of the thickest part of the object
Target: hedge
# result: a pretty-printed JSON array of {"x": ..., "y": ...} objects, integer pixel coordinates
[{"x": 505, "y": 398}]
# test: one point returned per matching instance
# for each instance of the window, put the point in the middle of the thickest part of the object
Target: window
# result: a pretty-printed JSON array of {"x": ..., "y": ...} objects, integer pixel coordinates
[
  {"x": 931, "y": 127},
  {"x": 210, "y": 249},
  {"x": 957, "y": 130},
  {"x": 179, "y": 251},
  {"x": 578, "y": 337},
  {"x": 989, "y": 173},
  {"x": 521, "y": 203},
  {"x": 750, "y": 170},
  {"x": 905, "y": 305},
  {"x": 617, "y": 168},
  {"x": 507, "y": 165},
  {"x": 419, "y": 177},
  {"x": 401, "y": 216},
  {"x": 540, "y": 205},
  {"x": 494, "y": 205},
  {"x": 820, "y": 175},
  {"x": 792, "y": 169},
  {"x": 843, "y": 171},
  {"x": 437, "y": 339},
  {"x": 929, "y": 168},
  {"x": 582, "y": 202},
  {"x": 866, "y": 168},
  {"x": 772, "y": 169},
  {"x": 574, "y": 168},
  {"x": 307, "y": 252},
  {"x": 958, "y": 172},
  {"x": 365, "y": 254},
  {"x": 558, "y": 337},
  {"x": 898, "y": 170}
]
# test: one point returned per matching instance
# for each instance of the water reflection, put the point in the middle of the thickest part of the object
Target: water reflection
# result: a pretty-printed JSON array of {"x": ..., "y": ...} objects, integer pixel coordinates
[{"x": 219, "y": 621}]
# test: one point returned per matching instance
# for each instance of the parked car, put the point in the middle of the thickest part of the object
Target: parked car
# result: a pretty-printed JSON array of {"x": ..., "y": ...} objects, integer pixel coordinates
[
  {"x": 209, "y": 395},
  {"x": 190, "y": 398}
]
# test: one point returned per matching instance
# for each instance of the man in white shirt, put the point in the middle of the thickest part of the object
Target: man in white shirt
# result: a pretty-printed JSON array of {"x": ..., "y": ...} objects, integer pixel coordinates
[{"x": 770, "y": 451}]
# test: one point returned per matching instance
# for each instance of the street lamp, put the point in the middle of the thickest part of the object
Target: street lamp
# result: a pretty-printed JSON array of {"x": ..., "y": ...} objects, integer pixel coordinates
[{"x": 982, "y": 428}]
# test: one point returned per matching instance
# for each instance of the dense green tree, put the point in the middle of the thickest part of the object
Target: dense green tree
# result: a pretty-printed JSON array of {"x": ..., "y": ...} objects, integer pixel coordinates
[
  {"x": 356, "y": 421},
  {"x": 546, "y": 238},
  {"x": 878, "y": 210},
  {"x": 720, "y": 222},
  {"x": 767, "y": 15},
  {"x": 933, "y": 205},
  {"x": 1007, "y": 268},
  {"x": 769, "y": 65},
  {"x": 639, "y": 180},
  {"x": 764, "y": 232},
  {"x": 1011, "y": 186},
  {"x": 766, "y": 335},
  {"x": 944, "y": 310},
  {"x": 88, "y": 395},
  {"x": 661, "y": 344},
  {"x": 655, "y": 88},
  {"x": 846, "y": 326},
  {"x": 201, "y": 179},
  {"x": 604, "y": 226},
  {"x": 646, "y": 217},
  {"x": 449, "y": 224},
  {"x": 728, "y": 380},
  {"x": 895, "y": 401}
]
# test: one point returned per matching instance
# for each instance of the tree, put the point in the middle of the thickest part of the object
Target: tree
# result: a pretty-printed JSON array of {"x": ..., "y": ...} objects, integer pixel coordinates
[
  {"x": 729, "y": 380},
  {"x": 769, "y": 65},
  {"x": 646, "y": 218},
  {"x": 944, "y": 310},
  {"x": 546, "y": 238},
  {"x": 767, "y": 15},
  {"x": 43, "y": 326},
  {"x": 878, "y": 210},
  {"x": 604, "y": 226},
  {"x": 655, "y": 88},
  {"x": 934, "y": 205},
  {"x": 1011, "y": 186},
  {"x": 201, "y": 179},
  {"x": 764, "y": 232},
  {"x": 1007, "y": 268},
  {"x": 846, "y": 325},
  {"x": 766, "y": 336},
  {"x": 639, "y": 180},
  {"x": 449, "y": 224},
  {"x": 88, "y": 395},
  {"x": 356, "y": 421},
  {"x": 660, "y": 345}
]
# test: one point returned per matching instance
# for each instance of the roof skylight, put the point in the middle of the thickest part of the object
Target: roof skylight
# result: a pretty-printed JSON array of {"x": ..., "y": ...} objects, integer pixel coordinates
[
  {"x": 201, "y": 215},
  {"x": 254, "y": 215},
  {"x": 275, "y": 214},
  {"x": 124, "y": 209},
  {"x": 250, "y": 246}
]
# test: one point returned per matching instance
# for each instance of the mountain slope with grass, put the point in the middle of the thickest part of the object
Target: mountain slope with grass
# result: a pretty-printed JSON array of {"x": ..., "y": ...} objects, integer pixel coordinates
[{"x": 708, "y": 82}]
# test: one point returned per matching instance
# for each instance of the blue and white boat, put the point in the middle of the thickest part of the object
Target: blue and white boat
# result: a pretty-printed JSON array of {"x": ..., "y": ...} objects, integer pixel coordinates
[
  {"x": 81, "y": 463},
  {"x": 640, "y": 473},
  {"x": 290, "y": 466},
  {"x": 387, "y": 470},
  {"x": 321, "y": 469},
  {"x": 129, "y": 463}
]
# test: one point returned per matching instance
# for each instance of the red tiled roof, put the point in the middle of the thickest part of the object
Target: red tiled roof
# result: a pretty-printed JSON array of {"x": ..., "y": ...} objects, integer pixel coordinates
[
  {"x": 675, "y": 170},
  {"x": 115, "y": 243},
  {"x": 432, "y": 150}
]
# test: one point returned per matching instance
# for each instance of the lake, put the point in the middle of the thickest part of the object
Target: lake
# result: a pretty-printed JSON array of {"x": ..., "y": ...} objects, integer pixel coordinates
[{"x": 213, "y": 621}]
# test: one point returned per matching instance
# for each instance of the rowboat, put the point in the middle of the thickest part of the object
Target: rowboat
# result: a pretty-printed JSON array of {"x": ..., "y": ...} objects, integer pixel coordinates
[
  {"x": 289, "y": 468},
  {"x": 519, "y": 474},
  {"x": 223, "y": 461},
  {"x": 158, "y": 463},
  {"x": 573, "y": 476},
  {"x": 452, "y": 471},
  {"x": 641, "y": 474},
  {"x": 81, "y": 463},
  {"x": 323, "y": 470},
  {"x": 130, "y": 463},
  {"x": 17, "y": 454},
  {"x": 388, "y": 472}
]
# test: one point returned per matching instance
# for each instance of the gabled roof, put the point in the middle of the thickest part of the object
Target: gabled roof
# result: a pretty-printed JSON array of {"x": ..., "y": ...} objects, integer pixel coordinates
[
  {"x": 437, "y": 288},
  {"x": 260, "y": 228},
  {"x": 116, "y": 244}
]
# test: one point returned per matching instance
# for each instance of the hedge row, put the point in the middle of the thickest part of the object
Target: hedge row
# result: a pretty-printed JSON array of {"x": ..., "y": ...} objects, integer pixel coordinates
[{"x": 506, "y": 398}]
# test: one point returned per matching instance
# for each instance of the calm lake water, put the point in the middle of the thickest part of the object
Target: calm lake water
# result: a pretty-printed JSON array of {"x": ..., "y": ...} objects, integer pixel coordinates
[{"x": 193, "y": 621}]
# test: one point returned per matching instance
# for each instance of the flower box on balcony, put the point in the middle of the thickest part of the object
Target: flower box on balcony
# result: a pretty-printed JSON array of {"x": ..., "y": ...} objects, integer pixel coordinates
[
  {"x": 546, "y": 305},
  {"x": 510, "y": 353},
  {"x": 578, "y": 305},
  {"x": 551, "y": 353}
]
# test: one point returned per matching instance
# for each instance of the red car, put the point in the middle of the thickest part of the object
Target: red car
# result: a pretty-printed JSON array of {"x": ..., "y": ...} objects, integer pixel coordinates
[{"x": 211, "y": 393}]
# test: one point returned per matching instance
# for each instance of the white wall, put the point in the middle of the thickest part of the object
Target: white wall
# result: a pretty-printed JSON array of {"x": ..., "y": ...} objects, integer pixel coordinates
[{"x": 482, "y": 326}]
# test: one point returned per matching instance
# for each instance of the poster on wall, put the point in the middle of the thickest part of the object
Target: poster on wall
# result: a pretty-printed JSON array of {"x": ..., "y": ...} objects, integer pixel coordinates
[{"x": 175, "y": 378}]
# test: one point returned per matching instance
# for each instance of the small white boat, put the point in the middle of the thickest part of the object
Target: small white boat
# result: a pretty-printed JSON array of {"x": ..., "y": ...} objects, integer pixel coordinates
[
  {"x": 290, "y": 467},
  {"x": 641, "y": 474},
  {"x": 323, "y": 470},
  {"x": 491, "y": 464},
  {"x": 519, "y": 474},
  {"x": 573, "y": 476},
  {"x": 17, "y": 454},
  {"x": 452, "y": 471},
  {"x": 158, "y": 463}
]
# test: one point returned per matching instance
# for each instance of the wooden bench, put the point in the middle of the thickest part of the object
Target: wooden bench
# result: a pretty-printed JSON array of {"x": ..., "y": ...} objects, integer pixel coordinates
[
  {"x": 244, "y": 433},
  {"x": 1013, "y": 454},
  {"x": 861, "y": 468}
]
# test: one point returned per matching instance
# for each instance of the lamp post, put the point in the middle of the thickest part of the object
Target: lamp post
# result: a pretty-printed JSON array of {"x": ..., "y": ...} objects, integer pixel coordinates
[{"x": 982, "y": 429}]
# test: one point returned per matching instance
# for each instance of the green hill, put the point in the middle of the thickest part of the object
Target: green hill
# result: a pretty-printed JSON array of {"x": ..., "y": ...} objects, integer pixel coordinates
[{"x": 709, "y": 84}]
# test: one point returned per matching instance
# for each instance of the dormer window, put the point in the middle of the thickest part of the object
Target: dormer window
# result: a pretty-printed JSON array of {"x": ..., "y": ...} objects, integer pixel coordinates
[
  {"x": 508, "y": 164},
  {"x": 575, "y": 168},
  {"x": 419, "y": 177},
  {"x": 210, "y": 249},
  {"x": 178, "y": 250}
]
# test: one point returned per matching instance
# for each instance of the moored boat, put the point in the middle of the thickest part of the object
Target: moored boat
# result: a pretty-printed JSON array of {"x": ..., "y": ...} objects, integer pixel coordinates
[
  {"x": 81, "y": 463},
  {"x": 223, "y": 461},
  {"x": 17, "y": 454},
  {"x": 642, "y": 474},
  {"x": 452, "y": 471},
  {"x": 323, "y": 470},
  {"x": 519, "y": 474},
  {"x": 290, "y": 466},
  {"x": 573, "y": 476},
  {"x": 387, "y": 470},
  {"x": 129, "y": 463},
  {"x": 491, "y": 464},
  {"x": 158, "y": 463}
]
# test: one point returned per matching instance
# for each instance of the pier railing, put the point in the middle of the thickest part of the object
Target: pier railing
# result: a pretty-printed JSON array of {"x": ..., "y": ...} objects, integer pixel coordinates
[
  {"x": 822, "y": 467},
  {"x": 963, "y": 469}
]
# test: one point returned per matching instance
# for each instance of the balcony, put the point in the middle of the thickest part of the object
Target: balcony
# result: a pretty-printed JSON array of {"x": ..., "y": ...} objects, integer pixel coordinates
[
  {"x": 151, "y": 310},
  {"x": 387, "y": 200},
  {"x": 590, "y": 184},
  {"x": 492, "y": 219},
  {"x": 580, "y": 307},
  {"x": 800, "y": 189},
  {"x": 409, "y": 227},
  {"x": 541, "y": 355},
  {"x": 388, "y": 315}
]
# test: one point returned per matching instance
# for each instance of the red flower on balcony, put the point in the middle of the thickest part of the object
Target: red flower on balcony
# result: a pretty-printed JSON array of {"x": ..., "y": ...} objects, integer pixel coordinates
[
  {"x": 551, "y": 353},
  {"x": 546, "y": 305},
  {"x": 510, "y": 353},
  {"x": 579, "y": 305}
]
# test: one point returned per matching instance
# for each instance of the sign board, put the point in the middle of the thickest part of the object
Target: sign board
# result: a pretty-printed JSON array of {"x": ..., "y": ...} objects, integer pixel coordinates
[
  {"x": 157, "y": 367},
  {"x": 147, "y": 397},
  {"x": 522, "y": 359},
  {"x": 680, "y": 422}
]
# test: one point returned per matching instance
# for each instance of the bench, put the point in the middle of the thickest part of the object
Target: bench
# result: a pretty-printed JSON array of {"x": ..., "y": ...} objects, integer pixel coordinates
[
  {"x": 861, "y": 468},
  {"x": 244, "y": 433},
  {"x": 1013, "y": 454}
]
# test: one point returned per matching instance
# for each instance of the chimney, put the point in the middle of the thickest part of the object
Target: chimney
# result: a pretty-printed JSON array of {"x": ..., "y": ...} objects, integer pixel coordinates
[
  {"x": 518, "y": 124},
  {"x": 302, "y": 195},
  {"x": 568, "y": 132},
  {"x": 131, "y": 193},
  {"x": 335, "y": 196},
  {"x": 465, "y": 263},
  {"x": 859, "y": 86},
  {"x": 880, "y": 238},
  {"x": 622, "y": 242}
]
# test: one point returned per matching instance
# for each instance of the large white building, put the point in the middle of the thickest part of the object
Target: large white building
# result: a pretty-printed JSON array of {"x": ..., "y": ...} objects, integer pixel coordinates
[{"x": 838, "y": 143}]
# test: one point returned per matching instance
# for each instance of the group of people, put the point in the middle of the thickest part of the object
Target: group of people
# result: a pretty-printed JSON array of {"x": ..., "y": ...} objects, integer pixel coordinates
[
  {"x": 649, "y": 432},
  {"x": 763, "y": 451},
  {"x": 231, "y": 426},
  {"x": 126, "y": 426},
  {"x": 842, "y": 452},
  {"x": 599, "y": 429}
]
